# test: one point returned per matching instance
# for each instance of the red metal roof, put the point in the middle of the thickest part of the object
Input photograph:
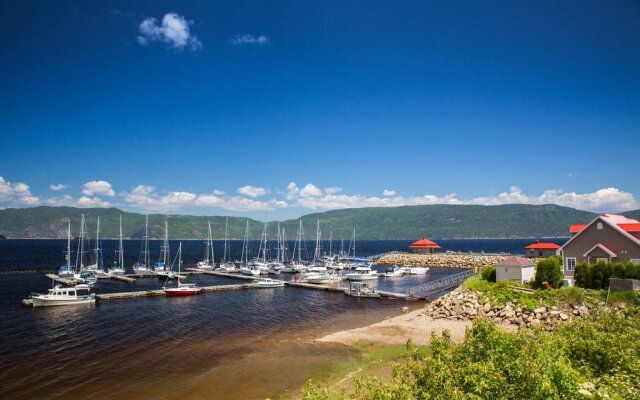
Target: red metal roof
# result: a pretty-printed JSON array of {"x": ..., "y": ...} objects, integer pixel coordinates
[
  {"x": 537, "y": 245},
  {"x": 424, "y": 243},
  {"x": 575, "y": 228},
  {"x": 630, "y": 227}
]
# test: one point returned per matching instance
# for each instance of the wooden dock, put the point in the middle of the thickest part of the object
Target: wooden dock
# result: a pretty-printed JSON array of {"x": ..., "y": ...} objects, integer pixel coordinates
[
  {"x": 226, "y": 274},
  {"x": 65, "y": 281},
  {"x": 334, "y": 288}
]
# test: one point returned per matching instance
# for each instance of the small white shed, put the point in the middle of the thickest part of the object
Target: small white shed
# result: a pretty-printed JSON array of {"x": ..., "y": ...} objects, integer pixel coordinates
[{"x": 517, "y": 269}]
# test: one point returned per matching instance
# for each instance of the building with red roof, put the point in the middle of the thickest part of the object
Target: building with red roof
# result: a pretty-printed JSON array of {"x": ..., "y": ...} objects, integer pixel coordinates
[
  {"x": 541, "y": 249},
  {"x": 609, "y": 237},
  {"x": 424, "y": 245}
]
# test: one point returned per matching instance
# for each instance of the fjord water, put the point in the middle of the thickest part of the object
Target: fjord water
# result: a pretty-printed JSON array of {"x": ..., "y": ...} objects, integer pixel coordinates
[{"x": 223, "y": 345}]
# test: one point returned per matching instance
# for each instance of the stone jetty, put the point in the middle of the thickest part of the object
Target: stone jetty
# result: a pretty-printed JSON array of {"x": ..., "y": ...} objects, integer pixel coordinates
[{"x": 445, "y": 260}]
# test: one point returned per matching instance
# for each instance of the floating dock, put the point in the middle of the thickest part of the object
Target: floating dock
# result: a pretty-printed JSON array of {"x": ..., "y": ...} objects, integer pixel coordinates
[
  {"x": 225, "y": 274},
  {"x": 333, "y": 288}
]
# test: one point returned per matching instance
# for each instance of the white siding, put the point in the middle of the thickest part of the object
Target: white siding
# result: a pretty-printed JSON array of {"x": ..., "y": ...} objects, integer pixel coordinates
[{"x": 518, "y": 274}]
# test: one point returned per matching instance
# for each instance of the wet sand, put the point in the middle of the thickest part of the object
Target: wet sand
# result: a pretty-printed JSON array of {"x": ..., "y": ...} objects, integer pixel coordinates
[{"x": 399, "y": 329}]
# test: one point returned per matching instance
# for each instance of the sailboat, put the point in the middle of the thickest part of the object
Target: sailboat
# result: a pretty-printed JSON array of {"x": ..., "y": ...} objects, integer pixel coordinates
[
  {"x": 245, "y": 267},
  {"x": 98, "y": 267},
  {"x": 226, "y": 265},
  {"x": 67, "y": 270},
  {"x": 276, "y": 266},
  {"x": 118, "y": 262},
  {"x": 208, "y": 262},
  {"x": 81, "y": 273},
  {"x": 261, "y": 262},
  {"x": 298, "y": 265},
  {"x": 161, "y": 265},
  {"x": 182, "y": 289},
  {"x": 142, "y": 266}
]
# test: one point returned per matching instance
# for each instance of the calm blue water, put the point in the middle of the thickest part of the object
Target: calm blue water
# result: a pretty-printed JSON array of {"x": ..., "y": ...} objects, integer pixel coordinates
[{"x": 133, "y": 348}]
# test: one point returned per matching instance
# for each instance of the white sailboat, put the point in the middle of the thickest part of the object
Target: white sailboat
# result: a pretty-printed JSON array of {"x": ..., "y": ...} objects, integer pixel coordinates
[
  {"x": 276, "y": 266},
  {"x": 98, "y": 267},
  {"x": 67, "y": 270},
  {"x": 208, "y": 262},
  {"x": 161, "y": 266},
  {"x": 118, "y": 262},
  {"x": 81, "y": 273},
  {"x": 226, "y": 265},
  {"x": 245, "y": 267},
  {"x": 260, "y": 262},
  {"x": 297, "y": 264},
  {"x": 142, "y": 266},
  {"x": 181, "y": 289}
]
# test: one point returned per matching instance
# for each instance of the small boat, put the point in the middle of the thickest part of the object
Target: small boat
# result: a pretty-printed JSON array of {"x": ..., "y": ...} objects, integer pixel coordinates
[
  {"x": 318, "y": 278},
  {"x": 275, "y": 268},
  {"x": 362, "y": 274},
  {"x": 361, "y": 289},
  {"x": 395, "y": 272},
  {"x": 207, "y": 263},
  {"x": 416, "y": 270},
  {"x": 64, "y": 296},
  {"x": 182, "y": 289},
  {"x": 118, "y": 262},
  {"x": 268, "y": 282},
  {"x": 142, "y": 266},
  {"x": 227, "y": 267},
  {"x": 249, "y": 270}
]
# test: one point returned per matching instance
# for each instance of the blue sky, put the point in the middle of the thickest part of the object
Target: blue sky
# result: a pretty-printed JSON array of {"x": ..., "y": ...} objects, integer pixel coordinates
[{"x": 286, "y": 107}]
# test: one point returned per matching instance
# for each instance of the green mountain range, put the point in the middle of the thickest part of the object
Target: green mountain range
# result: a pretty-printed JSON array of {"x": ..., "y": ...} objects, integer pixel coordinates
[{"x": 407, "y": 222}]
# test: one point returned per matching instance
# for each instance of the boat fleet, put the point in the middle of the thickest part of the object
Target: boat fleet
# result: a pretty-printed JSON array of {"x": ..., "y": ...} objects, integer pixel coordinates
[{"x": 272, "y": 258}]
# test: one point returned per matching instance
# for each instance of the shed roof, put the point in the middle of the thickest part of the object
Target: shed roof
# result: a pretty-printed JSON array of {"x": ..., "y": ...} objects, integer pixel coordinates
[
  {"x": 538, "y": 245},
  {"x": 515, "y": 261},
  {"x": 424, "y": 243}
]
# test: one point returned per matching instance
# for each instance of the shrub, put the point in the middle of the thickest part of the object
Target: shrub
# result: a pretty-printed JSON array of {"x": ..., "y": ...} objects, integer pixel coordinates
[
  {"x": 548, "y": 270},
  {"x": 581, "y": 275},
  {"x": 489, "y": 273}
]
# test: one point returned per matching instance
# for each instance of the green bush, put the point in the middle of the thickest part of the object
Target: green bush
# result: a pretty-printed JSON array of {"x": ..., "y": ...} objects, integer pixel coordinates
[
  {"x": 596, "y": 276},
  {"x": 489, "y": 273},
  {"x": 530, "y": 364},
  {"x": 548, "y": 270}
]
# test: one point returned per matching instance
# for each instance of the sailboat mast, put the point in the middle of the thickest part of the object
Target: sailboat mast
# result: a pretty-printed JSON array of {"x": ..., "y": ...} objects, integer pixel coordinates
[
  {"x": 210, "y": 245},
  {"x": 330, "y": 242},
  {"x": 69, "y": 246},
  {"x": 165, "y": 245},
  {"x": 226, "y": 238},
  {"x": 316, "y": 254},
  {"x": 146, "y": 242},
  {"x": 98, "y": 244},
  {"x": 354, "y": 242},
  {"x": 120, "y": 249}
]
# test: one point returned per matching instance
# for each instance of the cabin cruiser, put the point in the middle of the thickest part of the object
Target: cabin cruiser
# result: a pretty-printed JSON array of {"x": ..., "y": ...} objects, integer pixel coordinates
[
  {"x": 268, "y": 282},
  {"x": 395, "y": 272},
  {"x": 249, "y": 270},
  {"x": 416, "y": 270},
  {"x": 227, "y": 267},
  {"x": 275, "y": 268},
  {"x": 64, "y": 296},
  {"x": 204, "y": 266},
  {"x": 364, "y": 273}
]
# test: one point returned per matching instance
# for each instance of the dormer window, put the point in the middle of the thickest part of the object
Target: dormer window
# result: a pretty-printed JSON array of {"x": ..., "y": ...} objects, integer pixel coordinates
[{"x": 599, "y": 226}]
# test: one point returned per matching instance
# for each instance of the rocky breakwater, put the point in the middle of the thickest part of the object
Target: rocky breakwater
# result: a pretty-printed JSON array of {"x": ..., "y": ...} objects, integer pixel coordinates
[
  {"x": 445, "y": 260},
  {"x": 463, "y": 305}
]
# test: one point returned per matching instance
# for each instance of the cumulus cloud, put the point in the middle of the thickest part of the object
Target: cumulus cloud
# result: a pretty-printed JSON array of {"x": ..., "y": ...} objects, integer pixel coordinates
[
  {"x": 82, "y": 202},
  {"x": 249, "y": 39},
  {"x": 333, "y": 190},
  {"x": 146, "y": 198},
  {"x": 16, "y": 194},
  {"x": 173, "y": 30},
  {"x": 58, "y": 187},
  {"x": 252, "y": 191},
  {"x": 92, "y": 188},
  {"x": 388, "y": 192},
  {"x": 310, "y": 190},
  {"x": 218, "y": 192}
]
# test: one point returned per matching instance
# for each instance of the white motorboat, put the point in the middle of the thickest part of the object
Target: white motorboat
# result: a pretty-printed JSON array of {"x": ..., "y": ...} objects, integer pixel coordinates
[
  {"x": 362, "y": 274},
  {"x": 67, "y": 296},
  {"x": 268, "y": 282},
  {"x": 275, "y": 268},
  {"x": 394, "y": 272},
  {"x": 248, "y": 270},
  {"x": 317, "y": 278},
  {"x": 227, "y": 267},
  {"x": 361, "y": 289},
  {"x": 416, "y": 270}
]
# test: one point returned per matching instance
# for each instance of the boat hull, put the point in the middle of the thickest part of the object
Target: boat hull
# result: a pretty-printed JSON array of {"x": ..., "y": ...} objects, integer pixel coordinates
[
  {"x": 181, "y": 292},
  {"x": 37, "y": 302}
]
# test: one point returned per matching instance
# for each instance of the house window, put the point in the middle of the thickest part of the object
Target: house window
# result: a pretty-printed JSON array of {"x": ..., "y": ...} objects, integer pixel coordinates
[
  {"x": 599, "y": 225},
  {"x": 571, "y": 263},
  {"x": 635, "y": 261}
]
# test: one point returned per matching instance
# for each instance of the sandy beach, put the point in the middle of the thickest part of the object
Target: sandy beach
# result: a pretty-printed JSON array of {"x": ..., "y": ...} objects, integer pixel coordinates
[{"x": 397, "y": 330}]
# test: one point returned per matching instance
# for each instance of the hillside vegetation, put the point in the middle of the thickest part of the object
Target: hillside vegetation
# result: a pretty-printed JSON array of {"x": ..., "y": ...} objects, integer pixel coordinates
[{"x": 408, "y": 222}]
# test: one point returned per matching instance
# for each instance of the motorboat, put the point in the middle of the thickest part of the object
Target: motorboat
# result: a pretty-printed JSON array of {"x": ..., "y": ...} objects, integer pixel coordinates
[
  {"x": 249, "y": 270},
  {"x": 64, "y": 296},
  {"x": 416, "y": 270},
  {"x": 318, "y": 278},
  {"x": 364, "y": 273},
  {"x": 268, "y": 282},
  {"x": 361, "y": 289},
  {"x": 275, "y": 268},
  {"x": 394, "y": 272},
  {"x": 227, "y": 267}
]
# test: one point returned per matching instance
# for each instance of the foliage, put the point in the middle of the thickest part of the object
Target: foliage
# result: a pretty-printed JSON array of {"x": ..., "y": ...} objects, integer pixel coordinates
[
  {"x": 489, "y": 273},
  {"x": 598, "y": 354},
  {"x": 596, "y": 276},
  {"x": 406, "y": 222},
  {"x": 548, "y": 270}
]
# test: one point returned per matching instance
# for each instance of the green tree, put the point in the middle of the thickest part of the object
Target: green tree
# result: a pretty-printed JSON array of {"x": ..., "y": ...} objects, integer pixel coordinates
[
  {"x": 549, "y": 270},
  {"x": 581, "y": 275},
  {"x": 489, "y": 273}
]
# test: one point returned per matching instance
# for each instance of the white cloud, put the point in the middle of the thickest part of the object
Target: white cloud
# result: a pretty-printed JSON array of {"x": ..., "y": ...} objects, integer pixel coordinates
[
  {"x": 92, "y": 188},
  {"x": 310, "y": 190},
  {"x": 58, "y": 187},
  {"x": 292, "y": 191},
  {"x": 388, "y": 192},
  {"x": 249, "y": 39},
  {"x": 174, "y": 30},
  {"x": 218, "y": 192},
  {"x": 333, "y": 190},
  {"x": 82, "y": 202},
  {"x": 16, "y": 193},
  {"x": 252, "y": 191}
]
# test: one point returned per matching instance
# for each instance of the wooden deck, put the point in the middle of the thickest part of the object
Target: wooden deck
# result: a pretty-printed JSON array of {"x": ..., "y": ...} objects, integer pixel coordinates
[{"x": 226, "y": 274}]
